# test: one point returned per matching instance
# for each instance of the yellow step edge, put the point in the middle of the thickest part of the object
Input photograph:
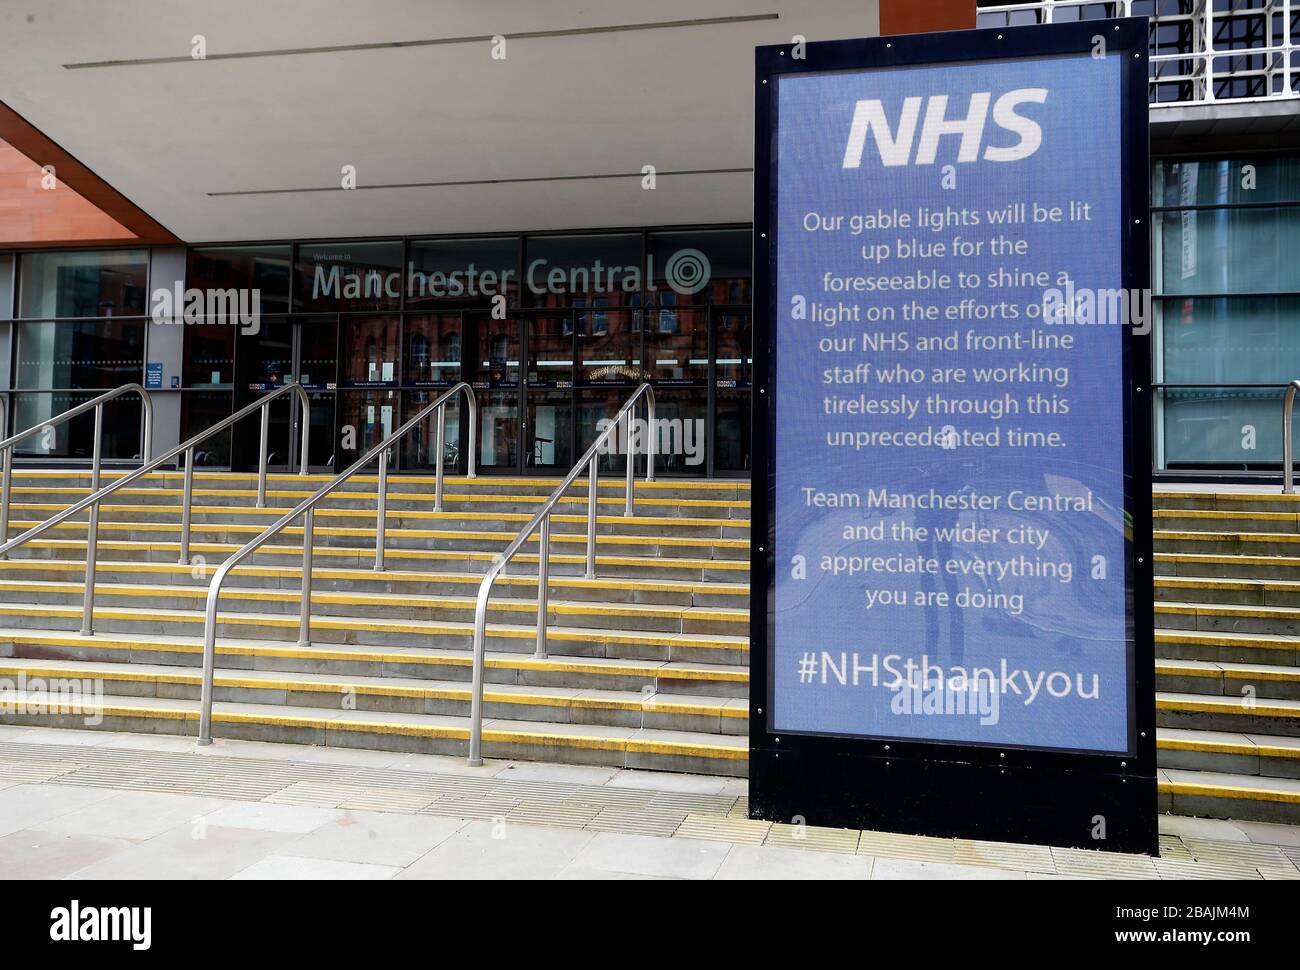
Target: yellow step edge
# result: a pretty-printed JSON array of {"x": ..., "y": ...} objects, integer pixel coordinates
[
  {"x": 379, "y": 655},
  {"x": 1210, "y": 638},
  {"x": 621, "y": 584},
  {"x": 650, "y": 562},
  {"x": 1229, "y": 791},
  {"x": 1225, "y": 705},
  {"x": 707, "y": 484},
  {"x": 1227, "y": 747},
  {"x": 1229, "y": 609},
  {"x": 296, "y": 530},
  {"x": 124, "y": 672},
  {"x": 335, "y": 598},
  {"x": 656, "y": 521},
  {"x": 373, "y": 625},
  {"x": 1227, "y": 496},
  {"x": 548, "y": 739},
  {"x": 1181, "y": 669},
  {"x": 393, "y": 496},
  {"x": 1222, "y": 536},
  {"x": 1227, "y": 559},
  {"x": 1261, "y": 514},
  {"x": 1188, "y": 582}
]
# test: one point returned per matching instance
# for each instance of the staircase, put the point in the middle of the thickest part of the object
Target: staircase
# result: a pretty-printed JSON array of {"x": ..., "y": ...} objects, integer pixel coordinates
[
  {"x": 1228, "y": 652},
  {"x": 648, "y": 664}
]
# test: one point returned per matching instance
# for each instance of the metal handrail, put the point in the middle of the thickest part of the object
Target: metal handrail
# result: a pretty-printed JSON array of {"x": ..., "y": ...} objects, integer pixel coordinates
[
  {"x": 98, "y": 494},
  {"x": 1288, "y": 488},
  {"x": 542, "y": 520},
  {"x": 306, "y": 509},
  {"x": 97, "y": 404}
]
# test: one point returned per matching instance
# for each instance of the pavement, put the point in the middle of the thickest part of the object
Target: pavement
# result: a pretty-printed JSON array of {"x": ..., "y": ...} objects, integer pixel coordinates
[{"x": 100, "y": 805}]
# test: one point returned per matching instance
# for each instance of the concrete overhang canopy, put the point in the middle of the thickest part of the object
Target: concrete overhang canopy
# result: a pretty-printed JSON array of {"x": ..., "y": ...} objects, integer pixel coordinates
[{"x": 252, "y": 141}]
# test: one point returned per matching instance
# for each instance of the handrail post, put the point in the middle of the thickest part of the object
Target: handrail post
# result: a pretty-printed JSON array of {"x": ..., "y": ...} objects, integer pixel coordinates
[
  {"x": 381, "y": 511},
  {"x": 440, "y": 436},
  {"x": 1288, "y": 408},
  {"x": 593, "y": 477},
  {"x": 305, "y": 417},
  {"x": 6, "y": 470},
  {"x": 652, "y": 434},
  {"x": 187, "y": 500},
  {"x": 477, "y": 677},
  {"x": 630, "y": 490},
  {"x": 8, "y": 462},
  {"x": 543, "y": 582},
  {"x": 92, "y": 531},
  {"x": 473, "y": 430},
  {"x": 262, "y": 455},
  {"x": 304, "y": 614}
]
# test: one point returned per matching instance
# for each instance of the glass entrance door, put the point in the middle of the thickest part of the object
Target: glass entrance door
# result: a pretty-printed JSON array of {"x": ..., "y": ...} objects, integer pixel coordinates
[{"x": 284, "y": 350}]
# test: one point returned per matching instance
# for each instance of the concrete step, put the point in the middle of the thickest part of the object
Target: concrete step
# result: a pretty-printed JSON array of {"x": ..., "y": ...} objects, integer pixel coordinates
[
  {"x": 1228, "y": 591},
  {"x": 419, "y": 662},
  {"x": 1246, "y": 500},
  {"x": 1230, "y": 647},
  {"x": 610, "y": 563},
  {"x": 648, "y": 617},
  {"x": 1233, "y": 520},
  {"x": 1242, "y": 681},
  {"x": 1224, "y": 618},
  {"x": 1260, "y": 755},
  {"x": 1212, "y": 794},
  {"x": 555, "y": 705},
  {"x": 1238, "y": 715},
  {"x": 609, "y": 484},
  {"x": 399, "y": 499},
  {"x": 1285, "y": 544},
  {"x": 1228, "y": 566},
  {"x": 417, "y": 519},
  {"x": 626, "y": 747},
  {"x": 562, "y": 640},
  {"x": 666, "y": 592},
  {"x": 452, "y": 538}
]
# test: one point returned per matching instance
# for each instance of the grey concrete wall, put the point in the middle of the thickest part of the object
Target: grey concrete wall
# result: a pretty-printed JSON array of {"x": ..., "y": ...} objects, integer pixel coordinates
[{"x": 165, "y": 345}]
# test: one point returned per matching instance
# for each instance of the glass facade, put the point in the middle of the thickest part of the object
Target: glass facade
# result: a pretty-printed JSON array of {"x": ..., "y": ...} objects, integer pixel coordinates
[
  {"x": 80, "y": 330},
  {"x": 553, "y": 331},
  {"x": 1227, "y": 309}
]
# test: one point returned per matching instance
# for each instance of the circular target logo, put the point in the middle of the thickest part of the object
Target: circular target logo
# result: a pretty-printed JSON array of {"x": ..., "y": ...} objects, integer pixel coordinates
[{"x": 688, "y": 271}]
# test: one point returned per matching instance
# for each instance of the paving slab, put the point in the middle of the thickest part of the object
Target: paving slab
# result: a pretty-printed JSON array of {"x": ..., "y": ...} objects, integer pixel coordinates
[
  {"x": 38, "y": 854},
  {"x": 179, "y": 854},
  {"x": 494, "y": 850},
  {"x": 136, "y": 815},
  {"x": 777, "y": 862},
  {"x": 376, "y": 838},
  {"x": 269, "y": 817},
  {"x": 909, "y": 869},
  {"x": 649, "y": 855},
  {"x": 35, "y": 805},
  {"x": 293, "y": 867}
]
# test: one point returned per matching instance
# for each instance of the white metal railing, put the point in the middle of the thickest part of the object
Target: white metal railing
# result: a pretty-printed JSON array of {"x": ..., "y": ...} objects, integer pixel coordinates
[
  {"x": 1208, "y": 58},
  {"x": 306, "y": 509},
  {"x": 97, "y": 494},
  {"x": 97, "y": 405},
  {"x": 541, "y": 523},
  {"x": 1288, "y": 488}
]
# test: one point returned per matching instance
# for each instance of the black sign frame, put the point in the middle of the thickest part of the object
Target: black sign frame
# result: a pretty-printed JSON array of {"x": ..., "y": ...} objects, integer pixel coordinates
[{"x": 1014, "y": 794}]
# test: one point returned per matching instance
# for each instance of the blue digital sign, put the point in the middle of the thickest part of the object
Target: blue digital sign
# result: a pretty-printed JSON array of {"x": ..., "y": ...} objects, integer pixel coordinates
[{"x": 951, "y": 554}]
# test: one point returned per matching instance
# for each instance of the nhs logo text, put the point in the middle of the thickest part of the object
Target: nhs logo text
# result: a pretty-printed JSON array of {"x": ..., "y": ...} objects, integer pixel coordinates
[{"x": 894, "y": 141}]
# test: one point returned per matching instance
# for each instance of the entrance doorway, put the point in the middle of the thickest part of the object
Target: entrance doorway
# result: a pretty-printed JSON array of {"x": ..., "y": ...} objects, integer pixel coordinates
[{"x": 288, "y": 349}]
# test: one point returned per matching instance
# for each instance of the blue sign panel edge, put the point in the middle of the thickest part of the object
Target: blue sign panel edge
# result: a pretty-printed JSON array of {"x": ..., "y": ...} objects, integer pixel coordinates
[{"x": 1089, "y": 800}]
